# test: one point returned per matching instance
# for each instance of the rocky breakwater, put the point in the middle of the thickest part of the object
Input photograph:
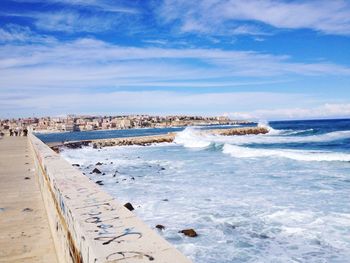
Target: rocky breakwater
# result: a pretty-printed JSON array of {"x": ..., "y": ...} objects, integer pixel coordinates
[
  {"x": 150, "y": 139},
  {"x": 239, "y": 131},
  {"x": 140, "y": 140}
]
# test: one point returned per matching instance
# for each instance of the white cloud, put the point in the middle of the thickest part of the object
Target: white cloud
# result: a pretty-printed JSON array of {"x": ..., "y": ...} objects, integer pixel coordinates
[
  {"x": 328, "y": 110},
  {"x": 72, "y": 22},
  {"x": 213, "y": 16},
  {"x": 87, "y": 71},
  {"x": 141, "y": 102},
  {"x": 17, "y": 33},
  {"x": 101, "y": 5},
  {"x": 89, "y": 53}
]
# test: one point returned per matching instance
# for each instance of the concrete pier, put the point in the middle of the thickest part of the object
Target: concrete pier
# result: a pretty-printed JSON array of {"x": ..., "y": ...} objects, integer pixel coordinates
[{"x": 25, "y": 234}]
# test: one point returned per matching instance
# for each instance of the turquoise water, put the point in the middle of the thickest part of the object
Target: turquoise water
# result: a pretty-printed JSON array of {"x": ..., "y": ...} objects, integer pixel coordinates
[{"x": 279, "y": 197}]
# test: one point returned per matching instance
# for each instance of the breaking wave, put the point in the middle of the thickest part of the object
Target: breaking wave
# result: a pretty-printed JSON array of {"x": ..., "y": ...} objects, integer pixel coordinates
[
  {"x": 234, "y": 145},
  {"x": 299, "y": 155},
  {"x": 192, "y": 138}
]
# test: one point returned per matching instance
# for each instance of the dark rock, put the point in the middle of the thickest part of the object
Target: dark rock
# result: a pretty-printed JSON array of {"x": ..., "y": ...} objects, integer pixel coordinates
[
  {"x": 132, "y": 178},
  {"x": 26, "y": 178},
  {"x": 160, "y": 227},
  {"x": 103, "y": 173},
  {"x": 162, "y": 168},
  {"x": 189, "y": 232},
  {"x": 76, "y": 164},
  {"x": 263, "y": 236},
  {"x": 96, "y": 171},
  {"x": 27, "y": 210},
  {"x": 129, "y": 206},
  {"x": 165, "y": 200},
  {"x": 99, "y": 182},
  {"x": 98, "y": 163}
]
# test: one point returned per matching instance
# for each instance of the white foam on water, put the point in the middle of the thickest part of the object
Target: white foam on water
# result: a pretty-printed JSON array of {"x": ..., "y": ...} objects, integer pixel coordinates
[
  {"x": 192, "y": 138},
  {"x": 299, "y": 155},
  {"x": 243, "y": 210}
]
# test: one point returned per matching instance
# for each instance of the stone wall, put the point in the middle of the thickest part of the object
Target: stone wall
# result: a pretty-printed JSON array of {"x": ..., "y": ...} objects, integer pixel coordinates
[{"x": 87, "y": 224}]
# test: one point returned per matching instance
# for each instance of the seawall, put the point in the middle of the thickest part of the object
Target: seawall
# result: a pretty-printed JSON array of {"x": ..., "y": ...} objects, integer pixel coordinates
[{"x": 89, "y": 225}]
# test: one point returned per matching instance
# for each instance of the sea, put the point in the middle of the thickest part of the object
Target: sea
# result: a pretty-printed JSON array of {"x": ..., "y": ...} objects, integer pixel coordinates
[{"x": 278, "y": 197}]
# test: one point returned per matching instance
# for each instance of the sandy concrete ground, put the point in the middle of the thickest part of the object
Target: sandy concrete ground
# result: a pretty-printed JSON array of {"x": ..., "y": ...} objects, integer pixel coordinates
[{"x": 24, "y": 229}]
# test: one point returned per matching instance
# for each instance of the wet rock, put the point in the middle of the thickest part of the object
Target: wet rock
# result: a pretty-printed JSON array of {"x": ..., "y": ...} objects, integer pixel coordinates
[
  {"x": 99, "y": 182},
  {"x": 26, "y": 178},
  {"x": 160, "y": 227},
  {"x": 98, "y": 163},
  {"x": 96, "y": 171},
  {"x": 76, "y": 164},
  {"x": 27, "y": 210},
  {"x": 162, "y": 168},
  {"x": 103, "y": 173},
  {"x": 263, "y": 236},
  {"x": 165, "y": 200},
  {"x": 129, "y": 206},
  {"x": 132, "y": 178},
  {"x": 189, "y": 232}
]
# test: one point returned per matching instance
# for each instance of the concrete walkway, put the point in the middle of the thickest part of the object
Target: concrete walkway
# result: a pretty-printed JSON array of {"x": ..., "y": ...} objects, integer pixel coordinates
[{"x": 24, "y": 229}]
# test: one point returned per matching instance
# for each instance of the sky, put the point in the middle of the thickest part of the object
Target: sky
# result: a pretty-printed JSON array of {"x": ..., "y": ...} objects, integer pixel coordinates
[{"x": 247, "y": 59}]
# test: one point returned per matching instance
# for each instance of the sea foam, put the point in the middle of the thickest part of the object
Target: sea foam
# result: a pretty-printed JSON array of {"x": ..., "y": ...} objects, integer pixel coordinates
[{"x": 299, "y": 155}]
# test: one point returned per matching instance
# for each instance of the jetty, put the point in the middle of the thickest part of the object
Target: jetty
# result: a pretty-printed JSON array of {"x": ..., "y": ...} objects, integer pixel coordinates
[
  {"x": 25, "y": 234},
  {"x": 51, "y": 212},
  {"x": 151, "y": 139}
]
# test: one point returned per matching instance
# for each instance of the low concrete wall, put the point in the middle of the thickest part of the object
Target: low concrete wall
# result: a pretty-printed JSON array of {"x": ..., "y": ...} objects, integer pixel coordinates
[{"x": 87, "y": 224}]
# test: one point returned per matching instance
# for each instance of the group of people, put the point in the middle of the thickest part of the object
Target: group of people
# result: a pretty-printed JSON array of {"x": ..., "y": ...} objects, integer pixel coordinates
[{"x": 18, "y": 132}]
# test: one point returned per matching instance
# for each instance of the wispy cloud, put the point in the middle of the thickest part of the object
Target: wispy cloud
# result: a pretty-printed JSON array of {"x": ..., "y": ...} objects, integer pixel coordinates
[
  {"x": 94, "y": 51},
  {"x": 68, "y": 21},
  {"x": 99, "y": 5},
  {"x": 17, "y": 33},
  {"x": 152, "y": 102},
  {"x": 327, "y": 110},
  {"x": 215, "y": 16}
]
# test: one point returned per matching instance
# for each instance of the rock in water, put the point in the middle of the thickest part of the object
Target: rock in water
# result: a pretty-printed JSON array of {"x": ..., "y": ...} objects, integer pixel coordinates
[
  {"x": 160, "y": 227},
  {"x": 96, "y": 171},
  {"x": 189, "y": 232},
  {"x": 98, "y": 163},
  {"x": 76, "y": 164},
  {"x": 129, "y": 206},
  {"x": 99, "y": 182}
]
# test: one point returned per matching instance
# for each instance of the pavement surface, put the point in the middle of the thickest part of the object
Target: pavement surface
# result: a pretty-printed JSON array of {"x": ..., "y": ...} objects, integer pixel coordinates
[{"x": 24, "y": 228}]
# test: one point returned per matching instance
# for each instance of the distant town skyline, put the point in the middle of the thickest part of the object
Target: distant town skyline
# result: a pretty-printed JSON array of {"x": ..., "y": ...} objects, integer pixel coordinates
[{"x": 247, "y": 59}]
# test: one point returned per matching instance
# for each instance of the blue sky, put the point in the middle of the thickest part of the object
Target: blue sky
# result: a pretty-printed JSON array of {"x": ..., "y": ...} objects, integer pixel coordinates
[{"x": 261, "y": 59}]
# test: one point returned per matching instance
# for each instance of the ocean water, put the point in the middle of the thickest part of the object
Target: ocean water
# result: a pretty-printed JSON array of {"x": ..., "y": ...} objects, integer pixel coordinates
[{"x": 279, "y": 197}]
